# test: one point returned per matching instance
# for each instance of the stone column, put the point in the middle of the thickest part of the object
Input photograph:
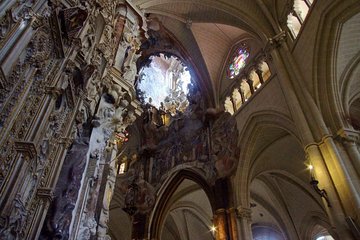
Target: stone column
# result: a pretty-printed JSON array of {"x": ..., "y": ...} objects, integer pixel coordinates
[
  {"x": 139, "y": 222},
  {"x": 241, "y": 90},
  {"x": 224, "y": 218},
  {"x": 344, "y": 177},
  {"x": 232, "y": 216},
  {"x": 251, "y": 84},
  {"x": 244, "y": 223},
  {"x": 235, "y": 98},
  {"x": 336, "y": 212},
  {"x": 220, "y": 222},
  {"x": 46, "y": 196},
  {"x": 259, "y": 72},
  {"x": 349, "y": 140}
]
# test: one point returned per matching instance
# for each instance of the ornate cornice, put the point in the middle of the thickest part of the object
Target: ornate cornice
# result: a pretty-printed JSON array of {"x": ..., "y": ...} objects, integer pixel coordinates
[
  {"x": 28, "y": 149},
  {"x": 45, "y": 193}
]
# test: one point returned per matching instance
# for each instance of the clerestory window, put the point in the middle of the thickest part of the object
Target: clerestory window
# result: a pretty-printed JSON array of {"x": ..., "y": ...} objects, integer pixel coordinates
[{"x": 297, "y": 15}]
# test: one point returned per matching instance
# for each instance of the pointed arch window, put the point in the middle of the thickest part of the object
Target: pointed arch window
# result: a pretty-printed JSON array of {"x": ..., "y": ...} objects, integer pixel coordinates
[{"x": 237, "y": 62}]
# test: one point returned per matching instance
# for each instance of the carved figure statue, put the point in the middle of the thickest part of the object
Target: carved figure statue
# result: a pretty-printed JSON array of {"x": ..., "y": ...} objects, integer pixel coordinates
[
  {"x": 130, "y": 73},
  {"x": 93, "y": 90},
  {"x": 120, "y": 112},
  {"x": 117, "y": 93}
]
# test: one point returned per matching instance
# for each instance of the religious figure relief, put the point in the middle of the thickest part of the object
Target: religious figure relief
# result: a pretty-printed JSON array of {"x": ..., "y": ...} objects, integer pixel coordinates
[
  {"x": 152, "y": 126},
  {"x": 39, "y": 49},
  {"x": 93, "y": 92},
  {"x": 88, "y": 42},
  {"x": 131, "y": 56},
  {"x": 107, "y": 43},
  {"x": 224, "y": 149},
  {"x": 130, "y": 73},
  {"x": 129, "y": 118},
  {"x": 87, "y": 73},
  {"x": 87, "y": 228}
]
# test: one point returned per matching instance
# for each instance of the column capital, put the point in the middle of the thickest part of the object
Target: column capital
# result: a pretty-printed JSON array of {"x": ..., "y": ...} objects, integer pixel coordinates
[
  {"x": 348, "y": 135},
  {"x": 243, "y": 213},
  {"x": 45, "y": 193},
  {"x": 276, "y": 41}
]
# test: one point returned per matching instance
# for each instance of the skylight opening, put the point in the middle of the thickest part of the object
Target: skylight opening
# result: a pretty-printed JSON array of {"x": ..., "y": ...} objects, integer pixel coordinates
[{"x": 164, "y": 84}]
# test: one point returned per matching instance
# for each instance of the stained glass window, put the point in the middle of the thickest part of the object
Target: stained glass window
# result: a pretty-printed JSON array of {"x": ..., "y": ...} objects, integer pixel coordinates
[{"x": 237, "y": 62}]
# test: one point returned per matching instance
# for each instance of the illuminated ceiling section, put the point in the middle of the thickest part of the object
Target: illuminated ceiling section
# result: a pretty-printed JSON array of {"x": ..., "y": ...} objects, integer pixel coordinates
[{"x": 164, "y": 84}]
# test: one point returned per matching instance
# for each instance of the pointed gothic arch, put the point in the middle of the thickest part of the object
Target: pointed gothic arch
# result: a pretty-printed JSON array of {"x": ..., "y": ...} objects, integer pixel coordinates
[{"x": 167, "y": 190}]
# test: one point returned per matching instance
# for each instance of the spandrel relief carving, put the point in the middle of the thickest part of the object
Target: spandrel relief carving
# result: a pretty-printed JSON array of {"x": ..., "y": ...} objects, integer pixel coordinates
[{"x": 106, "y": 43}]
